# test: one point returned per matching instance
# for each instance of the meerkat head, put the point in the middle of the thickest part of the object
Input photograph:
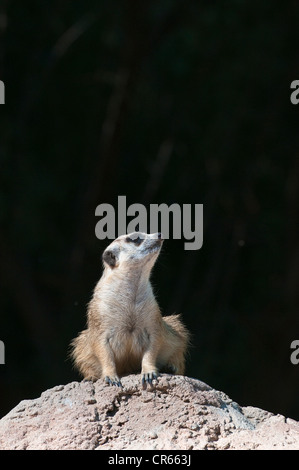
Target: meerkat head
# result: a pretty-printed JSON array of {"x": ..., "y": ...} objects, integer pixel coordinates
[{"x": 134, "y": 249}]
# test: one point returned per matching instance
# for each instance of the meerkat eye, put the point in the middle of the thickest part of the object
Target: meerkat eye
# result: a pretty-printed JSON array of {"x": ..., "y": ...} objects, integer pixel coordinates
[{"x": 136, "y": 240}]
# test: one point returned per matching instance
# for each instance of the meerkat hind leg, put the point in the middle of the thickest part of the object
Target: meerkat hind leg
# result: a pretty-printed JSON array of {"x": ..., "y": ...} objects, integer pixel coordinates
[
  {"x": 171, "y": 357},
  {"x": 172, "y": 361}
]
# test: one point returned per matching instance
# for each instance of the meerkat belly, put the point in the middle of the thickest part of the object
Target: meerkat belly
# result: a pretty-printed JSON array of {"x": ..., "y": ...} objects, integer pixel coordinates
[{"x": 128, "y": 342}]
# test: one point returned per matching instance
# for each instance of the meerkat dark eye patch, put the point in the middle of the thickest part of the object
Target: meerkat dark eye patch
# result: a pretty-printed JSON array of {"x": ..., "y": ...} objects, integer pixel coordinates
[
  {"x": 109, "y": 258},
  {"x": 136, "y": 240}
]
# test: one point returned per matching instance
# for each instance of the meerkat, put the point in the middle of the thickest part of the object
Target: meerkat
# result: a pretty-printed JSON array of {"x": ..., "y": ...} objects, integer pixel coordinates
[{"x": 125, "y": 331}]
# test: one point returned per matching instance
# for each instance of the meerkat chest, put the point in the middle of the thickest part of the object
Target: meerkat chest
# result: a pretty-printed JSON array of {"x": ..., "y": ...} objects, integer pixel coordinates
[
  {"x": 129, "y": 308},
  {"x": 136, "y": 318},
  {"x": 129, "y": 315},
  {"x": 130, "y": 327}
]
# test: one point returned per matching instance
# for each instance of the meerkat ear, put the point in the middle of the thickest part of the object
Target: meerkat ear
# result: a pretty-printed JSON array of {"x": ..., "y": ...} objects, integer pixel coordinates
[{"x": 109, "y": 257}]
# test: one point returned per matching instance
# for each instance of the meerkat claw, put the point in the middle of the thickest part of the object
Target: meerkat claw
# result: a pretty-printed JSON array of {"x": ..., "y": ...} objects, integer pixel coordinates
[
  {"x": 113, "y": 381},
  {"x": 148, "y": 378}
]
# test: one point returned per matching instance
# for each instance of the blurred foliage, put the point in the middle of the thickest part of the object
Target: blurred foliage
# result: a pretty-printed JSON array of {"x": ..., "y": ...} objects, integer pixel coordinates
[{"x": 185, "y": 102}]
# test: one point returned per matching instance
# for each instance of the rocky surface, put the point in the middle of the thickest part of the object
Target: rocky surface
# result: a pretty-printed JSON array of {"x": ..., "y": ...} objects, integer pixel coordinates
[{"x": 179, "y": 413}]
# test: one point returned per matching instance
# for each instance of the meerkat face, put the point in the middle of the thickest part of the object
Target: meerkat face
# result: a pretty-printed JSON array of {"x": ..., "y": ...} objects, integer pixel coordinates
[{"x": 135, "y": 248}]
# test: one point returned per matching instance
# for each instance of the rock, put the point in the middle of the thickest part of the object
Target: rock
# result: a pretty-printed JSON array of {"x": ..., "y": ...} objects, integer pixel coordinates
[{"x": 179, "y": 413}]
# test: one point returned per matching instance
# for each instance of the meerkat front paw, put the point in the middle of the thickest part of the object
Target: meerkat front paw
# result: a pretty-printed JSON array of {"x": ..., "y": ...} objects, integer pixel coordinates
[
  {"x": 113, "y": 381},
  {"x": 149, "y": 377}
]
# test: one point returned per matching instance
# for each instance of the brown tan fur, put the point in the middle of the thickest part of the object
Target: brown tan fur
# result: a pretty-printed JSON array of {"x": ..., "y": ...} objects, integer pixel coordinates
[{"x": 125, "y": 329}]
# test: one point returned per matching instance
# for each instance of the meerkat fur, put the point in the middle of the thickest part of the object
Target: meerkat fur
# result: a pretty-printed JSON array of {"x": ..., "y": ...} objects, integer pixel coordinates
[{"x": 125, "y": 330}]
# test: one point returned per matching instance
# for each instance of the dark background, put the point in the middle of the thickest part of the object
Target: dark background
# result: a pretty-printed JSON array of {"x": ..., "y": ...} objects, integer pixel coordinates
[{"x": 161, "y": 101}]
